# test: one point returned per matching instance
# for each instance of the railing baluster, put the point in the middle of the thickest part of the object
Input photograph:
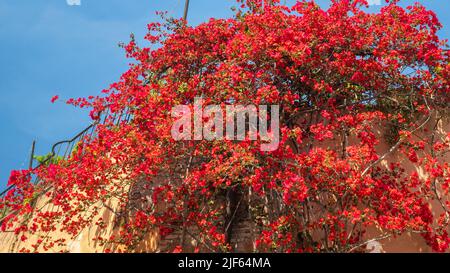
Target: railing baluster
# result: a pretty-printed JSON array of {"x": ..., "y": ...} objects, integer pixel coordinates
[{"x": 115, "y": 119}]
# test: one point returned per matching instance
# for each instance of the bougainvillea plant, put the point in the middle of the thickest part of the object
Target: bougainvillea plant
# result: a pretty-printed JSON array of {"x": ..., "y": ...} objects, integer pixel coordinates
[{"x": 346, "y": 81}]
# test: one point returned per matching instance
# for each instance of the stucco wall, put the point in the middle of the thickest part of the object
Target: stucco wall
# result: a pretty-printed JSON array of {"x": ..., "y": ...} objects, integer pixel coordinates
[{"x": 242, "y": 238}]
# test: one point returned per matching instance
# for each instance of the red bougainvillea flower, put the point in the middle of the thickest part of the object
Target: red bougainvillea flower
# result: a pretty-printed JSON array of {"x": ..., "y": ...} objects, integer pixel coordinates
[
  {"x": 54, "y": 99},
  {"x": 359, "y": 93}
]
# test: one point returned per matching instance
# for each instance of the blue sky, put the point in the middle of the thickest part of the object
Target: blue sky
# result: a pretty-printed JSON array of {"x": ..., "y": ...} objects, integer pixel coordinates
[{"x": 51, "y": 48}]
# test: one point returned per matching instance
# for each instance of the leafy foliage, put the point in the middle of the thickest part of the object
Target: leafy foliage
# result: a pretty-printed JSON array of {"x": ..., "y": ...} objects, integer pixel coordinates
[{"x": 344, "y": 79}]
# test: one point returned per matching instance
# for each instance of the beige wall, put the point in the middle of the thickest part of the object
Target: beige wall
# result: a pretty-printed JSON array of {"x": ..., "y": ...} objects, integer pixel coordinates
[
  {"x": 84, "y": 241},
  {"x": 408, "y": 242}
]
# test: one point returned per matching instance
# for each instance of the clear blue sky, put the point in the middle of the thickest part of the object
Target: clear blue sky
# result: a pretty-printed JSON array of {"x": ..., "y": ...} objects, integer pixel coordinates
[{"x": 51, "y": 48}]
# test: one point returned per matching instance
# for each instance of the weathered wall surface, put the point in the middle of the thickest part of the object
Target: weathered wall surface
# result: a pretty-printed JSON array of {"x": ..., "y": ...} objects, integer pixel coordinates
[
  {"x": 82, "y": 243},
  {"x": 243, "y": 236}
]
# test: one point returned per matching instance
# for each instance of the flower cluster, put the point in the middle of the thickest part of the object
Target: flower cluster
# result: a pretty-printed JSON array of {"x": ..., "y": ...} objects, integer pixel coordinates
[{"x": 346, "y": 81}]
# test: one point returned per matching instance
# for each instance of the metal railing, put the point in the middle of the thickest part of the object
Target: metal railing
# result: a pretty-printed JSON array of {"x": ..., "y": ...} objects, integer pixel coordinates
[{"x": 62, "y": 150}]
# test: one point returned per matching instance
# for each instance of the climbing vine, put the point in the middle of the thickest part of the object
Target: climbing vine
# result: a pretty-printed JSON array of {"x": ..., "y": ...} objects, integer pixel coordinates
[{"x": 347, "y": 81}]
